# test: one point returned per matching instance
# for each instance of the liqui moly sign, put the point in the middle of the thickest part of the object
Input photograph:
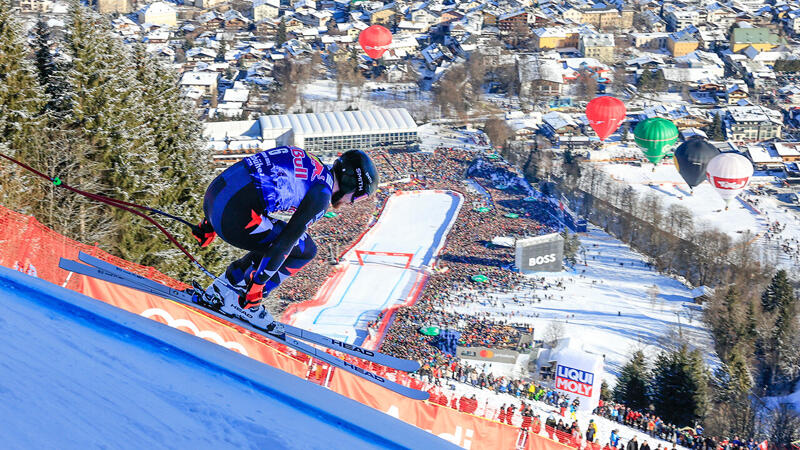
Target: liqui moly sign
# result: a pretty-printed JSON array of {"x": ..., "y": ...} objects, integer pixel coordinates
[{"x": 574, "y": 381}]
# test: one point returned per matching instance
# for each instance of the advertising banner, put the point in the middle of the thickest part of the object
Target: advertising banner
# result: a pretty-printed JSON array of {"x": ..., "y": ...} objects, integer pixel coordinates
[
  {"x": 574, "y": 380},
  {"x": 191, "y": 321},
  {"x": 487, "y": 354},
  {"x": 579, "y": 375},
  {"x": 461, "y": 429},
  {"x": 540, "y": 253}
]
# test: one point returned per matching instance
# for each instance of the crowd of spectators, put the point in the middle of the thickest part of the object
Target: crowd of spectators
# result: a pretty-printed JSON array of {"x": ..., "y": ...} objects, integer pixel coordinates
[
  {"x": 562, "y": 422},
  {"x": 468, "y": 251},
  {"x": 786, "y": 243}
]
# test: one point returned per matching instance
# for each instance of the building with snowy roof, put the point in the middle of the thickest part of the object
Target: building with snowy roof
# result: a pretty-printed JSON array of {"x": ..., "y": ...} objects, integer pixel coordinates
[
  {"x": 159, "y": 13},
  {"x": 324, "y": 134},
  {"x": 753, "y": 123}
]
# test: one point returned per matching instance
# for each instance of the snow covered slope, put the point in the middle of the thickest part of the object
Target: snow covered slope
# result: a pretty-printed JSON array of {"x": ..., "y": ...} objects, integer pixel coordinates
[
  {"x": 415, "y": 222},
  {"x": 79, "y": 373},
  {"x": 609, "y": 304}
]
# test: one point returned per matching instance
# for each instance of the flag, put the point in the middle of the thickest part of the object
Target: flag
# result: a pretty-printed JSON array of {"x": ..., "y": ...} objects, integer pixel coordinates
[{"x": 763, "y": 446}]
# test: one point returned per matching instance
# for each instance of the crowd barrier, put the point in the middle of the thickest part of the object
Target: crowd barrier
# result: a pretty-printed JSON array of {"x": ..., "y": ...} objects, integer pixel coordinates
[{"x": 31, "y": 247}]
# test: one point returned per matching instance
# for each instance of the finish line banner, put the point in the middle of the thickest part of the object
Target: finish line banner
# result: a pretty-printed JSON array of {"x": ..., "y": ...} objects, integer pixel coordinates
[{"x": 574, "y": 381}]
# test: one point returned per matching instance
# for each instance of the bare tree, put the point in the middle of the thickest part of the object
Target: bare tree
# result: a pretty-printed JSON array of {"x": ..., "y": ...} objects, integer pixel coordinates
[
  {"x": 587, "y": 85},
  {"x": 554, "y": 331},
  {"x": 449, "y": 90},
  {"x": 652, "y": 293},
  {"x": 476, "y": 70},
  {"x": 784, "y": 425},
  {"x": 498, "y": 131}
]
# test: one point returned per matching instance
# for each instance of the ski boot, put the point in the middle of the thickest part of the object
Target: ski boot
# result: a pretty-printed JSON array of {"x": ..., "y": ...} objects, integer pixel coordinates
[
  {"x": 230, "y": 299},
  {"x": 260, "y": 318}
]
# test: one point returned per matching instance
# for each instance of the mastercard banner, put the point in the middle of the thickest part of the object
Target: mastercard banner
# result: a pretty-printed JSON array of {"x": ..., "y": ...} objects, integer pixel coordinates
[{"x": 488, "y": 354}]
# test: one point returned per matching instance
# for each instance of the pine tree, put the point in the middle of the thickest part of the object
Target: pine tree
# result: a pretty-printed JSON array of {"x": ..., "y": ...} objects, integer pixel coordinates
[
  {"x": 785, "y": 339},
  {"x": 659, "y": 82},
  {"x": 779, "y": 292},
  {"x": 105, "y": 108},
  {"x": 280, "y": 36},
  {"x": 184, "y": 162},
  {"x": 725, "y": 323},
  {"x": 21, "y": 101},
  {"x": 679, "y": 386},
  {"x": 631, "y": 388},
  {"x": 52, "y": 72},
  {"x": 732, "y": 383},
  {"x": 605, "y": 392},
  {"x": 645, "y": 80},
  {"x": 715, "y": 130}
]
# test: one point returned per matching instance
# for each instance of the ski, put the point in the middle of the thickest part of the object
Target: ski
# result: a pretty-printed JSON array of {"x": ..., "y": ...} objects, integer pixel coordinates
[
  {"x": 288, "y": 340},
  {"x": 157, "y": 288}
]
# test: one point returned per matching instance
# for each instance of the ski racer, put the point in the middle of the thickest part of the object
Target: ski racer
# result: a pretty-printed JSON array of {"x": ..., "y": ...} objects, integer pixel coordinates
[{"x": 239, "y": 206}]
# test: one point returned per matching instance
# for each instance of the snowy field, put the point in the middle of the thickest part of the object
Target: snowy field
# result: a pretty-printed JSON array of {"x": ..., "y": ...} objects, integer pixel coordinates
[
  {"x": 414, "y": 222},
  {"x": 79, "y": 373},
  {"x": 609, "y": 304},
  {"x": 709, "y": 209}
]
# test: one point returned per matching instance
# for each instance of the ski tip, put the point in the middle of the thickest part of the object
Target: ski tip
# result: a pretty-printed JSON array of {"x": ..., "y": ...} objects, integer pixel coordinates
[
  {"x": 425, "y": 395},
  {"x": 411, "y": 366}
]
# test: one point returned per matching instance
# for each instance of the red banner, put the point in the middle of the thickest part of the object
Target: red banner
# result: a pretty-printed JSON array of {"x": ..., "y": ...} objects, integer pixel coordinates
[
  {"x": 462, "y": 429},
  {"x": 191, "y": 321}
]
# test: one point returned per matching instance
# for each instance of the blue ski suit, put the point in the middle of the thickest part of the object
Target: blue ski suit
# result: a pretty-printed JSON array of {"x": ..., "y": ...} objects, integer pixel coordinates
[{"x": 240, "y": 201}]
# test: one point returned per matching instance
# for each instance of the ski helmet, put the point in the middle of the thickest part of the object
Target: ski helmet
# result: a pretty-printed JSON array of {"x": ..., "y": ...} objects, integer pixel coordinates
[{"x": 356, "y": 173}]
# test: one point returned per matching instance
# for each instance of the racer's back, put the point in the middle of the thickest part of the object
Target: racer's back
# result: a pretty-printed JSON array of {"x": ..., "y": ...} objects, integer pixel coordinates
[{"x": 284, "y": 175}]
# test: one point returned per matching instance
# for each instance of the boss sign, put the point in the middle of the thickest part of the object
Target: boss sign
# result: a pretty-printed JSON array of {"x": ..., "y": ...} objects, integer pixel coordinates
[{"x": 574, "y": 380}]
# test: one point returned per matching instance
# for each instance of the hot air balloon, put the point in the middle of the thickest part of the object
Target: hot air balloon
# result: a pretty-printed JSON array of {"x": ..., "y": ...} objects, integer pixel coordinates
[
  {"x": 691, "y": 159},
  {"x": 605, "y": 114},
  {"x": 375, "y": 40},
  {"x": 655, "y": 136},
  {"x": 729, "y": 173}
]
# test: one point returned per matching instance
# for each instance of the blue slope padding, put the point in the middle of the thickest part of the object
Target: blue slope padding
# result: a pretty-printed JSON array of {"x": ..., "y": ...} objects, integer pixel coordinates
[{"x": 78, "y": 373}]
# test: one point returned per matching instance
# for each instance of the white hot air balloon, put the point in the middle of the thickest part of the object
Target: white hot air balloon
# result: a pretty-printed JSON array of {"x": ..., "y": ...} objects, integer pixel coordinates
[{"x": 730, "y": 174}]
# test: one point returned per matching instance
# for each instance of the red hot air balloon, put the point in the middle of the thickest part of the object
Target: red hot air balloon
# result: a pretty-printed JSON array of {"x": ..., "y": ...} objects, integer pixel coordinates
[
  {"x": 605, "y": 115},
  {"x": 375, "y": 40}
]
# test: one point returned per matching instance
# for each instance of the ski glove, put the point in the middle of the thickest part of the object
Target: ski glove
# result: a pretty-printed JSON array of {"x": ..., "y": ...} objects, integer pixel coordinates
[{"x": 204, "y": 232}]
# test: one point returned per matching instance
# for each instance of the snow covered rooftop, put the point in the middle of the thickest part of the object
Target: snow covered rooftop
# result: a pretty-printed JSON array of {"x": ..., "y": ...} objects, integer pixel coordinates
[
  {"x": 763, "y": 155},
  {"x": 199, "y": 78},
  {"x": 753, "y": 114},
  {"x": 236, "y": 95},
  {"x": 395, "y": 120},
  {"x": 785, "y": 149}
]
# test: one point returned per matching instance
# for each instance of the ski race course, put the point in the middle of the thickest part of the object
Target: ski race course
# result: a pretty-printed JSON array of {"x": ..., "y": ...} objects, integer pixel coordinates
[
  {"x": 412, "y": 222},
  {"x": 80, "y": 373}
]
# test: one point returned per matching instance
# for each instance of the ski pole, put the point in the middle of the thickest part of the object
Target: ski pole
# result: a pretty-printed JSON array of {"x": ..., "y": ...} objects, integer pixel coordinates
[
  {"x": 125, "y": 206},
  {"x": 57, "y": 182}
]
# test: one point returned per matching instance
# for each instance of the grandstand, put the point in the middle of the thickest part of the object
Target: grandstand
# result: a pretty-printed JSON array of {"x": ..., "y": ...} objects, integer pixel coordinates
[{"x": 324, "y": 134}]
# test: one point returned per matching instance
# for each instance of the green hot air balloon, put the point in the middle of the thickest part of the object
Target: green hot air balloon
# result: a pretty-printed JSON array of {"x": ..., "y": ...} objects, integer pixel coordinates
[{"x": 655, "y": 136}]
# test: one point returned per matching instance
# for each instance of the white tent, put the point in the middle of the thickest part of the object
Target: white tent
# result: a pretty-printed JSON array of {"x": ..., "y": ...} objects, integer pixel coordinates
[{"x": 578, "y": 373}]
